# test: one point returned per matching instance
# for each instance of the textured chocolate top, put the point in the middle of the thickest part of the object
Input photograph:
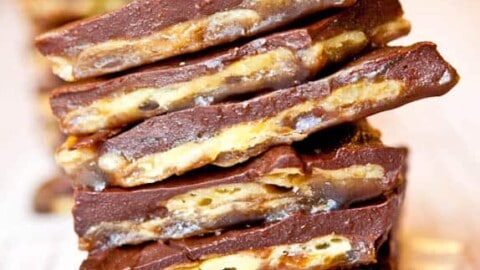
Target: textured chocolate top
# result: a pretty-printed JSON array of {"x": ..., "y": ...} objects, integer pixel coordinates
[
  {"x": 145, "y": 17},
  {"x": 364, "y": 226},
  {"x": 335, "y": 148},
  {"x": 363, "y": 16},
  {"x": 419, "y": 67}
]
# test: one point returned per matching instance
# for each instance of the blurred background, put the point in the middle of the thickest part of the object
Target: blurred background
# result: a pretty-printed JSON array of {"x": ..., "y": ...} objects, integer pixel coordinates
[{"x": 441, "y": 225}]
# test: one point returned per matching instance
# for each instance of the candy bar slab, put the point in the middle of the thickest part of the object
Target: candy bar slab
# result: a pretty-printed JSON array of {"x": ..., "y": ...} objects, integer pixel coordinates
[
  {"x": 56, "y": 12},
  {"x": 228, "y": 134},
  {"x": 337, "y": 239},
  {"x": 54, "y": 196},
  {"x": 329, "y": 171},
  {"x": 149, "y": 30},
  {"x": 277, "y": 61}
]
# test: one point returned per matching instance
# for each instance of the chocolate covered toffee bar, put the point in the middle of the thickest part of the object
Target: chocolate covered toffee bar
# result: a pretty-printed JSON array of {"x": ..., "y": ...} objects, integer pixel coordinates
[
  {"x": 277, "y": 61},
  {"x": 149, "y": 30},
  {"x": 329, "y": 240},
  {"x": 329, "y": 171},
  {"x": 228, "y": 134}
]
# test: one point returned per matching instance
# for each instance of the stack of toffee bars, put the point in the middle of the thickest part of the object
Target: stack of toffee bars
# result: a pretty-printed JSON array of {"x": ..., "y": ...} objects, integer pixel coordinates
[{"x": 244, "y": 146}]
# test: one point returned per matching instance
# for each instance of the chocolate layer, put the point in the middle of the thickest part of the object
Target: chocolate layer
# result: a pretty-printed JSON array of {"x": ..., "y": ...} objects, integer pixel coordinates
[
  {"x": 128, "y": 37},
  {"x": 314, "y": 164},
  {"x": 363, "y": 227},
  {"x": 228, "y": 134},
  {"x": 86, "y": 108}
]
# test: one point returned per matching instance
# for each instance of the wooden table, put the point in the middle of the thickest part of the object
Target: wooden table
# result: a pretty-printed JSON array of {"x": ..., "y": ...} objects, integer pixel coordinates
[{"x": 441, "y": 227}]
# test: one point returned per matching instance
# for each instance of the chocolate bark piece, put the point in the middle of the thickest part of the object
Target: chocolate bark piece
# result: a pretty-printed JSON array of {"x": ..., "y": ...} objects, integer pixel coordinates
[
  {"x": 54, "y": 196},
  {"x": 336, "y": 239},
  {"x": 146, "y": 31},
  {"x": 228, "y": 134},
  {"x": 277, "y": 61},
  {"x": 329, "y": 171}
]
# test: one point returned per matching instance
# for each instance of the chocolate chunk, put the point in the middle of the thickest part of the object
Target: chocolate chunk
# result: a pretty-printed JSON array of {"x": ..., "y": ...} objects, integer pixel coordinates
[
  {"x": 277, "y": 61},
  {"x": 231, "y": 133},
  {"x": 362, "y": 228},
  {"x": 146, "y": 31},
  {"x": 331, "y": 170}
]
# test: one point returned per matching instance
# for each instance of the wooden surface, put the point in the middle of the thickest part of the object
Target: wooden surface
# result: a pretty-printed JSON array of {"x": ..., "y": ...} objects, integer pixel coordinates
[{"x": 441, "y": 227}]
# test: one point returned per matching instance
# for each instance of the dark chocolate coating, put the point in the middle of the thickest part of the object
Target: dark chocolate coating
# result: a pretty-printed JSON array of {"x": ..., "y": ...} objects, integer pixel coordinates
[
  {"x": 144, "y": 17},
  {"x": 419, "y": 67},
  {"x": 339, "y": 147},
  {"x": 363, "y": 16},
  {"x": 363, "y": 226}
]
